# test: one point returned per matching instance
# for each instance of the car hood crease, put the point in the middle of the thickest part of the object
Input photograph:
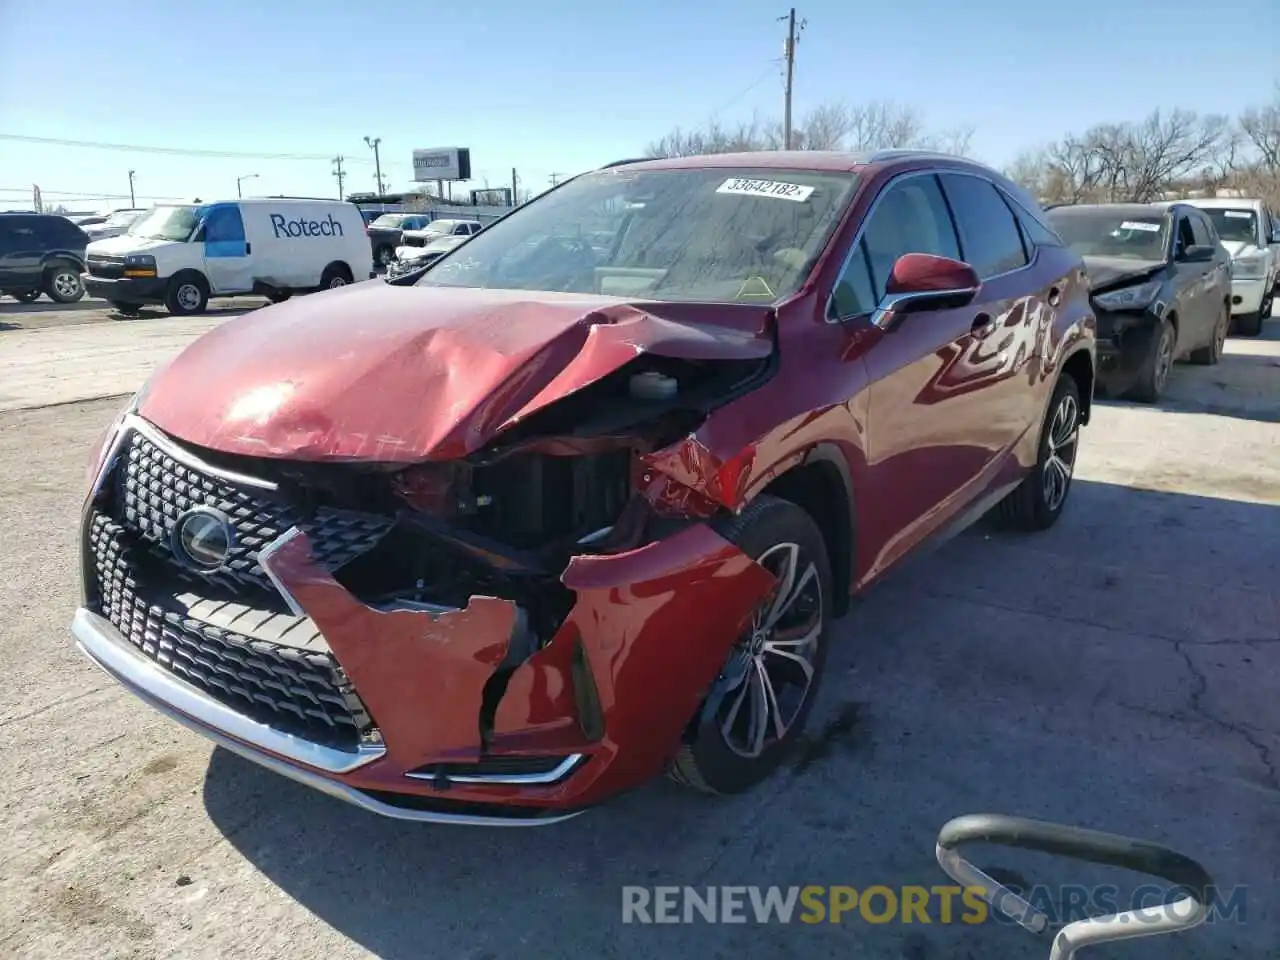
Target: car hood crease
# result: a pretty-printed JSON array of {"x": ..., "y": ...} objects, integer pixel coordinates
[{"x": 403, "y": 374}]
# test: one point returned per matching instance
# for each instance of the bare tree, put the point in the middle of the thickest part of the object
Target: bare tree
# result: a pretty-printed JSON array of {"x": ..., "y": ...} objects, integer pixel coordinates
[
  {"x": 875, "y": 125},
  {"x": 1261, "y": 128}
]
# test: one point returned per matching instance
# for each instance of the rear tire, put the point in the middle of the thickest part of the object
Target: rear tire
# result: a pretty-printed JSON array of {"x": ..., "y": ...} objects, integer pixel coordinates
[
  {"x": 768, "y": 670},
  {"x": 187, "y": 294},
  {"x": 63, "y": 284},
  {"x": 1149, "y": 387},
  {"x": 1037, "y": 502},
  {"x": 335, "y": 275},
  {"x": 1211, "y": 354}
]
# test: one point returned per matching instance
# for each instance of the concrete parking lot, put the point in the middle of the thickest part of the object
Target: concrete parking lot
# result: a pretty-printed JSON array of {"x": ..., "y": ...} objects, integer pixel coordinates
[{"x": 1119, "y": 672}]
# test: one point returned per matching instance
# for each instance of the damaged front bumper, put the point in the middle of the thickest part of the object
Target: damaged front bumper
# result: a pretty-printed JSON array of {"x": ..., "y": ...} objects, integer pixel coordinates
[{"x": 601, "y": 707}]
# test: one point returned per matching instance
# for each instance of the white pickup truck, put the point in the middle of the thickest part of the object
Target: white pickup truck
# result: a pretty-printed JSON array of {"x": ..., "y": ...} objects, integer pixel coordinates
[{"x": 1251, "y": 234}]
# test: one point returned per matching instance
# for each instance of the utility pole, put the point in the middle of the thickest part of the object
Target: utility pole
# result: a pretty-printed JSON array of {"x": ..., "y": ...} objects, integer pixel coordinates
[
  {"x": 515, "y": 186},
  {"x": 132, "y": 202},
  {"x": 373, "y": 142},
  {"x": 555, "y": 179},
  {"x": 338, "y": 172},
  {"x": 789, "y": 51}
]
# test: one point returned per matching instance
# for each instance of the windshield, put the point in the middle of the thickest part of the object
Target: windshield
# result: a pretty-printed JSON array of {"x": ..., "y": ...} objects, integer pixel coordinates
[
  {"x": 392, "y": 221},
  {"x": 1111, "y": 233},
  {"x": 439, "y": 226},
  {"x": 718, "y": 235},
  {"x": 1239, "y": 225},
  {"x": 122, "y": 218},
  {"x": 166, "y": 223}
]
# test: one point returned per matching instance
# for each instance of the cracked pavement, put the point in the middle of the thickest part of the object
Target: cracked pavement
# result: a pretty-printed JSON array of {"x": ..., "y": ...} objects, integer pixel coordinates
[{"x": 1119, "y": 672}]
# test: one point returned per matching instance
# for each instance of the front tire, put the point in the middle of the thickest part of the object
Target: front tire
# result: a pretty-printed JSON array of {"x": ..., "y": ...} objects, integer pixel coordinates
[
  {"x": 63, "y": 284},
  {"x": 1037, "y": 502},
  {"x": 187, "y": 294},
  {"x": 760, "y": 702},
  {"x": 1149, "y": 387},
  {"x": 1250, "y": 324}
]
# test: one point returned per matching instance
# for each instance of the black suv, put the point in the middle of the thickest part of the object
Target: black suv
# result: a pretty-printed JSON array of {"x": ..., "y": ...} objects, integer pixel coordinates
[
  {"x": 1160, "y": 284},
  {"x": 41, "y": 253}
]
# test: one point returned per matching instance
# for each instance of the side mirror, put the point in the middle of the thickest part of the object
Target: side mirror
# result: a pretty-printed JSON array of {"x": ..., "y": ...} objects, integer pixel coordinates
[
  {"x": 1198, "y": 253},
  {"x": 922, "y": 281}
]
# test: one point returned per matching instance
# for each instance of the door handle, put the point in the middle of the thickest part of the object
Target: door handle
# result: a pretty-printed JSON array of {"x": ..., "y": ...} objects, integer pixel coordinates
[
  {"x": 982, "y": 325},
  {"x": 1055, "y": 296},
  {"x": 248, "y": 249}
]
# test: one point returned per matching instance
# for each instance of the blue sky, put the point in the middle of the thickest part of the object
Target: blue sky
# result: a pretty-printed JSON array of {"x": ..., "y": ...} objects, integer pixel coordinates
[{"x": 560, "y": 86}]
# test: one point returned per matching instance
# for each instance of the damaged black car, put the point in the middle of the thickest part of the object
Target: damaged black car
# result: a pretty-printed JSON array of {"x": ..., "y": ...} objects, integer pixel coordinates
[{"x": 1160, "y": 284}]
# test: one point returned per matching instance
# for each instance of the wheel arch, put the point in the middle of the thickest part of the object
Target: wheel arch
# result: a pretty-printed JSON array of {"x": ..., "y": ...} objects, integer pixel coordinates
[
  {"x": 820, "y": 484},
  {"x": 340, "y": 266},
  {"x": 1079, "y": 366}
]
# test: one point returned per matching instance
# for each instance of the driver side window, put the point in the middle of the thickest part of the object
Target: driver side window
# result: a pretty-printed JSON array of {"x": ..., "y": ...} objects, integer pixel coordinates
[{"x": 911, "y": 216}]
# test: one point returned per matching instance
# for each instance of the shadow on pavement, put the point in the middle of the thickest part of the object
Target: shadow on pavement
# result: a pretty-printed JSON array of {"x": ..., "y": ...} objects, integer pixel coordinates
[{"x": 1118, "y": 672}]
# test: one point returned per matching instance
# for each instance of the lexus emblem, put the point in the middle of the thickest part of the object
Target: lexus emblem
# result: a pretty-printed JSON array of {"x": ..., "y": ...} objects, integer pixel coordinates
[{"x": 203, "y": 538}]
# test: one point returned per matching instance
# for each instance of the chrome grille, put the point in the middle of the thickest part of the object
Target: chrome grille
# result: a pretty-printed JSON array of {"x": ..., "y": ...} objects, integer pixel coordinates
[
  {"x": 107, "y": 267},
  {"x": 155, "y": 489},
  {"x": 286, "y": 686}
]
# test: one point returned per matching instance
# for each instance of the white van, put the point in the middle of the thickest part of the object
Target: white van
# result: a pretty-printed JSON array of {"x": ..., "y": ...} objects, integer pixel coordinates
[{"x": 181, "y": 255}]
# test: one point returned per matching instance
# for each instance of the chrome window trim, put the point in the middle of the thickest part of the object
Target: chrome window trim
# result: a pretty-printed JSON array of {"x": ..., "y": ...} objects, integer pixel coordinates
[{"x": 894, "y": 181}]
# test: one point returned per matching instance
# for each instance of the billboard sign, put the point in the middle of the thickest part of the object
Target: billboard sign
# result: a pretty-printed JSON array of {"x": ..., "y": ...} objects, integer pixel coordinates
[{"x": 442, "y": 163}]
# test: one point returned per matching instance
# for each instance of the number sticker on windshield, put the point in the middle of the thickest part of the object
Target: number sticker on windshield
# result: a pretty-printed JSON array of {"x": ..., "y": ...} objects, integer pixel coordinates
[
  {"x": 765, "y": 188},
  {"x": 1138, "y": 225},
  {"x": 1238, "y": 214}
]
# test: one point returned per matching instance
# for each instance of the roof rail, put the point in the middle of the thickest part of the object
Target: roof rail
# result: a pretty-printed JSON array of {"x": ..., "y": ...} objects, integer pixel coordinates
[
  {"x": 894, "y": 153},
  {"x": 619, "y": 163}
]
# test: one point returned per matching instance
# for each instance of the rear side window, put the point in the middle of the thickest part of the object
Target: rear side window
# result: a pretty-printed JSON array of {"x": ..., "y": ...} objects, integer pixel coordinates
[
  {"x": 1202, "y": 232},
  {"x": 989, "y": 237}
]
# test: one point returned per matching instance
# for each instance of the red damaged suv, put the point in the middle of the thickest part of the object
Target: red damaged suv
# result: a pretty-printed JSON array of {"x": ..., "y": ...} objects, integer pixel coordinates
[{"x": 579, "y": 505}]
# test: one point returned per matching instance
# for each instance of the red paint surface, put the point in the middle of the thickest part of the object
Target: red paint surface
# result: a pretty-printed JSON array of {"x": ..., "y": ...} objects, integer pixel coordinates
[
  {"x": 925, "y": 420},
  {"x": 921, "y": 272},
  {"x": 656, "y": 625},
  {"x": 400, "y": 374}
]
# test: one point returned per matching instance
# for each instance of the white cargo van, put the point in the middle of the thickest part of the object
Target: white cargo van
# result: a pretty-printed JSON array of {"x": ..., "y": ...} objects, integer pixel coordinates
[{"x": 181, "y": 255}]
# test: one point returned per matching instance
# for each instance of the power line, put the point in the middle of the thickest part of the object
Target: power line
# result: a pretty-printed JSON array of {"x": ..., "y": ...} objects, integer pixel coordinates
[
  {"x": 773, "y": 66},
  {"x": 172, "y": 151},
  {"x": 74, "y": 194}
]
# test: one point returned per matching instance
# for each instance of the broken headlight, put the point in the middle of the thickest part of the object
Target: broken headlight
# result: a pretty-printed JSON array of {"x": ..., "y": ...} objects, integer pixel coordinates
[{"x": 1129, "y": 298}]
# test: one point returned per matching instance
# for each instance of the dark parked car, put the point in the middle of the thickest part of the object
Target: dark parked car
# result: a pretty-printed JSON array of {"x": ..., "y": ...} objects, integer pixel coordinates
[
  {"x": 495, "y": 547},
  {"x": 1161, "y": 289},
  {"x": 387, "y": 231},
  {"x": 41, "y": 253}
]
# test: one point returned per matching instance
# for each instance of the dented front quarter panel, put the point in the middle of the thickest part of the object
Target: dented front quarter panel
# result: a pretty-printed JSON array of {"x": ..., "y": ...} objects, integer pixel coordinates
[{"x": 655, "y": 624}]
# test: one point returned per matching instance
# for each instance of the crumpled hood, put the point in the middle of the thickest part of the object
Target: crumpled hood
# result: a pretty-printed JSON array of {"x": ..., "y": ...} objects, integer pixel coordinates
[
  {"x": 1106, "y": 272},
  {"x": 399, "y": 374}
]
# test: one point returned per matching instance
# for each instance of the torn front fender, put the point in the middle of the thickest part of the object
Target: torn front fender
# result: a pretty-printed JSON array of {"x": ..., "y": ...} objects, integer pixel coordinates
[{"x": 654, "y": 625}]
